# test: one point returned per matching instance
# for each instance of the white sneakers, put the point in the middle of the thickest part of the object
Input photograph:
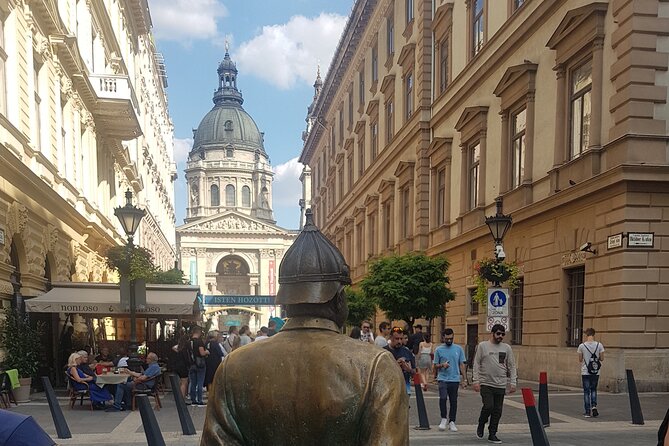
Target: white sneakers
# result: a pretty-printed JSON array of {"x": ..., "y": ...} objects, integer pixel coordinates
[{"x": 451, "y": 426}]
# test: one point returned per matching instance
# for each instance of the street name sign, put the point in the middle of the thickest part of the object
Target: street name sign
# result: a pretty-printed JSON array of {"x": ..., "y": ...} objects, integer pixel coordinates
[
  {"x": 252, "y": 300},
  {"x": 640, "y": 239}
]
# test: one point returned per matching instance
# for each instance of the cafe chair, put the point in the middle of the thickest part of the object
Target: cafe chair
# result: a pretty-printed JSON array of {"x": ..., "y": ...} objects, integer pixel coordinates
[
  {"x": 6, "y": 393},
  {"x": 153, "y": 391},
  {"x": 74, "y": 393}
]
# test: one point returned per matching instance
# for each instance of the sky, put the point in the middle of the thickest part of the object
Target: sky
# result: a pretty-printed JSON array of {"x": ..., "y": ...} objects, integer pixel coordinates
[{"x": 277, "y": 46}]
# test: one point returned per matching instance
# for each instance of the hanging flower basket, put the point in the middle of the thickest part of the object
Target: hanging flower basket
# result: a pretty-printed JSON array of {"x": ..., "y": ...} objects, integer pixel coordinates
[{"x": 488, "y": 272}]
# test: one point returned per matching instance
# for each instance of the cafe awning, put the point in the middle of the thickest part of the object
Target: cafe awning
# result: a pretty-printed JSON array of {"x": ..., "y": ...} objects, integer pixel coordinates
[{"x": 105, "y": 299}]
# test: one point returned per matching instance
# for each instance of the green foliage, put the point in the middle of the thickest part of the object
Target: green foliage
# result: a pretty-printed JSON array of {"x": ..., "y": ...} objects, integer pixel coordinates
[
  {"x": 490, "y": 271},
  {"x": 360, "y": 307},
  {"x": 141, "y": 266},
  {"x": 409, "y": 286},
  {"x": 22, "y": 343}
]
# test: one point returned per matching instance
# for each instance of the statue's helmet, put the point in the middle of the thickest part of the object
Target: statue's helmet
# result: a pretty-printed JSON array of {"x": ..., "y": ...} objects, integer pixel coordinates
[{"x": 313, "y": 269}]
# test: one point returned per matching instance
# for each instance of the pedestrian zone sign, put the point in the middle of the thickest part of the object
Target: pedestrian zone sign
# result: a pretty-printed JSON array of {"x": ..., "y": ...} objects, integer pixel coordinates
[{"x": 498, "y": 307}]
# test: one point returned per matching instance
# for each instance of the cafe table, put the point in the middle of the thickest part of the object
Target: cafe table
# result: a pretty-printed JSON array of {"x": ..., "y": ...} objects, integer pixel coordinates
[{"x": 111, "y": 378}]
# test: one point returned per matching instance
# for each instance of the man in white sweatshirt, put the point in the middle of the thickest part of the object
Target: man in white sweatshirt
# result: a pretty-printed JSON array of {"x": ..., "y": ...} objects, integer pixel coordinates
[{"x": 494, "y": 371}]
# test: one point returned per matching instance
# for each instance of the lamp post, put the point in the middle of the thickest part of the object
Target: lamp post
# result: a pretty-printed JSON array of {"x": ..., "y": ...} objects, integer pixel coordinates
[
  {"x": 499, "y": 224},
  {"x": 130, "y": 217}
]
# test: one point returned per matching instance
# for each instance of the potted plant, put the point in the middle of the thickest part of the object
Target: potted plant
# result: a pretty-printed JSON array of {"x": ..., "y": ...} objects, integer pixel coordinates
[
  {"x": 22, "y": 349},
  {"x": 490, "y": 271}
]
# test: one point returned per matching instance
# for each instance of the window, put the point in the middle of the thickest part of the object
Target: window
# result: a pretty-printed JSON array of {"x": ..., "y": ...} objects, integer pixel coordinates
[
  {"x": 372, "y": 234},
  {"x": 229, "y": 152},
  {"x": 408, "y": 94},
  {"x": 361, "y": 155},
  {"x": 215, "y": 197},
  {"x": 406, "y": 212},
  {"x": 341, "y": 125},
  {"x": 374, "y": 140},
  {"x": 443, "y": 65},
  {"x": 246, "y": 197},
  {"x": 474, "y": 180},
  {"x": 350, "y": 172},
  {"x": 478, "y": 23},
  {"x": 575, "y": 289},
  {"x": 581, "y": 108},
  {"x": 375, "y": 63},
  {"x": 3, "y": 61},
  {"x": 340, "y": 184},
  {"x": 518, "y": 121},
  {"x": 390, "y": 35},
  {"x": 350, "y": 108},
  {"x": 517, "y": 314},
  {"x": 409, "y": 10},
  {"x": 441, "y": 197},
  {"x": 473, "y": 304},
  {"x": 332, "y": 140},
  {"x": 38, "y": 104},
  {"x": 388, "y": 216},
  {"x": 360, "y": 229},
  {"x": 361, "y": 86},
  {"x": 390, "y": 121},
  {"x": 230, "y": 195},
  {"x": 228, "y": 126}
]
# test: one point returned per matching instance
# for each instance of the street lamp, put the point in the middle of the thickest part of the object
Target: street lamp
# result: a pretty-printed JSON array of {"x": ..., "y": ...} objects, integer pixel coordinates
[
  {"x": 130, "y": 217},
  {"x": 499, "y": 224}
]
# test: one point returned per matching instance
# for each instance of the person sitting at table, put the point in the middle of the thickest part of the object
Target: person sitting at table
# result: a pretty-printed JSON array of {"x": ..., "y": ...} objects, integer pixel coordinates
[
  {"x": 144, "y": 380},
  {"x": 104, "y": 358},
  {"x": 84, "y": 366},
  {"x": 121, "y": 359},
  {"x": 82, "y": 381}
]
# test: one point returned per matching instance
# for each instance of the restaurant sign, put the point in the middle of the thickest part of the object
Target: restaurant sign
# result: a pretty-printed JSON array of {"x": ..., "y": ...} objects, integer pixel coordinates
[
  {"x": 223, "y": 300},
  {"x": 110, "y": 308}
]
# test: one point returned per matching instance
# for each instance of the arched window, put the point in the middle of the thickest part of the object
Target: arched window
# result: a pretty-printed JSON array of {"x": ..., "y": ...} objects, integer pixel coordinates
[
  {"x": 246, "y": 197},
  {"x": 229, "y": 152},
  {"x": 215, "y": 196},
  {"x": 230, "y": 195}
]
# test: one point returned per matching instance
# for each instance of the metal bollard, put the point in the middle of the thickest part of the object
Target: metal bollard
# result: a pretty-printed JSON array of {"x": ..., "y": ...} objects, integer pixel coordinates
[
  {"x": 635, "y": 405},
  {"x": 536, "y": 427},
  {"x": 184, "y": 417},
  {"x": 543, "y": 399},
  {"x": 62, "y": 429},
  {"x": 151, "y": 429},
  {"x": 420, "y": 405}
]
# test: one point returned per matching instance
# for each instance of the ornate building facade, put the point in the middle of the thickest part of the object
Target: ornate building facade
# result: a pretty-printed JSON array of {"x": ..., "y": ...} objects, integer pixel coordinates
[
  {"x": 83, "y": 117},
  {"x": 433, "y": 109},
  {"x": 230, "y": 244}
]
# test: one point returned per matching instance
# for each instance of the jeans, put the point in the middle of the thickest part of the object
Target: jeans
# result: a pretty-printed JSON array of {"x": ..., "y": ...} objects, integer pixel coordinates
[
  {"x": 590, "y": 392},
  {"x": 123, "y": 393},
  {"x": 196, "y": 382},
  {"x": 448, "y": 390},
  {"x": 493, "y": 401}
]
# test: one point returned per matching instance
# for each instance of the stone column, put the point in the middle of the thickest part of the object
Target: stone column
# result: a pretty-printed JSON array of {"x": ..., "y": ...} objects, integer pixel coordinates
[{"x": 559, "y": 154}]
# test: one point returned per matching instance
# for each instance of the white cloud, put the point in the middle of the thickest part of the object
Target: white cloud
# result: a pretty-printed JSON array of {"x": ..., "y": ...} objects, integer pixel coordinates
[
  {"x": 186, "y": 20},
  {"x": 287, "y": 186},
  {"x": 181, "y": 148},
  {"x": 287, "y": 53}
]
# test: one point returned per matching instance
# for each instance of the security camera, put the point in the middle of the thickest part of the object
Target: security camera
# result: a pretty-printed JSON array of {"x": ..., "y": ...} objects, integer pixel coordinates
[
  {"x": 499, "y": 252},
  {"x": 585, "y": 247}
]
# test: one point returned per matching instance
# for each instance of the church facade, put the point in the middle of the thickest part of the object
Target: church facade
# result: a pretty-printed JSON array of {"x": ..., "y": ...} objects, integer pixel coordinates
[{"x": 230, "y": 244}]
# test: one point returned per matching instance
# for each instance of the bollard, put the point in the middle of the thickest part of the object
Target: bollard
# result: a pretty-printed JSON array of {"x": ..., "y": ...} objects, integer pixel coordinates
[
  {"x": 151, "y": 429},
  {"x": 543, "y": 399},
  {"x": 420, "y": 405},
  {"x": 184, "y": 417},
  {"x": 62, "y": 429},
  {"x": 635, "y": 405},
  {"x": 536, "y": 427}
]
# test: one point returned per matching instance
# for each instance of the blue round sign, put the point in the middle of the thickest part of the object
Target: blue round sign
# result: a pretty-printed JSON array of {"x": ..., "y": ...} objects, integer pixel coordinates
[{"x": 498, "y": 299}]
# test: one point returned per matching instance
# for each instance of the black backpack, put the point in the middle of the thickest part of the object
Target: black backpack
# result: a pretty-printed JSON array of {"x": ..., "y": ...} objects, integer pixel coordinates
[{"x": 594, "y": 364}]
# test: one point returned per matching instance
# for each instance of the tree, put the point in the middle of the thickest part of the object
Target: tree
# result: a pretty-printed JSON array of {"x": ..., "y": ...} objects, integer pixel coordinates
[
  {"x": 22, "y": 343},
  {"x": 360, "y": 307},
  {"x": 409, "y": 286},
  {"x": 141, "y": 266}
]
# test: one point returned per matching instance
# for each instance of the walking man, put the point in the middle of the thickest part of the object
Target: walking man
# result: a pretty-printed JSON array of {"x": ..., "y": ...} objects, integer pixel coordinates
[
  {"x": 590, "y": 355},
  {"x": 494, "y": 371},
  {"x": 449, "y": 364}
]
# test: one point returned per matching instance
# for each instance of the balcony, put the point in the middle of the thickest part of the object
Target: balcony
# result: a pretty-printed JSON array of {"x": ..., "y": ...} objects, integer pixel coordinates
[{"x": 115, "y": 106}]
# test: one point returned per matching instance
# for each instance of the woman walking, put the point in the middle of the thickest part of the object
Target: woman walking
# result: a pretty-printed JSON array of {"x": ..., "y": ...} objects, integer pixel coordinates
[
  {"x": 182, "y": 363},
  {"x": 424, "y": 360},
  {"x": 197, "y": 370}
]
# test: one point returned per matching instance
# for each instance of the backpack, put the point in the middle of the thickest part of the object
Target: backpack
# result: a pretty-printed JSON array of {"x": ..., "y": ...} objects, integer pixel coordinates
[{"x": 594, "y": 364}]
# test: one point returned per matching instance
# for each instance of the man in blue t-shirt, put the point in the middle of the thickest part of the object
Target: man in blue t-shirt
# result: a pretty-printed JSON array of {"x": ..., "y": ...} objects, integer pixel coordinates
[
  {"x": 449, "y": 365},
  {"x": 144, "y": 380}
]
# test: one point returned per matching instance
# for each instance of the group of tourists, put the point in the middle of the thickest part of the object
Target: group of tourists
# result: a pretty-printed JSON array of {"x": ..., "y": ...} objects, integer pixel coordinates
[{"x": 197, "y": 358}]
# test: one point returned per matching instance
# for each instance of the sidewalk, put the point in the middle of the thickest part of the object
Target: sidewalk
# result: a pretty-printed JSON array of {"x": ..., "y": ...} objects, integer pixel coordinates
[{"x": 125, "y": 428}]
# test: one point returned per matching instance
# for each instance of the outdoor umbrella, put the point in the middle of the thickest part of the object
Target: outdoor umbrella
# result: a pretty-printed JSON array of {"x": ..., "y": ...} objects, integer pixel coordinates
[{"x": 21, "y": 430}]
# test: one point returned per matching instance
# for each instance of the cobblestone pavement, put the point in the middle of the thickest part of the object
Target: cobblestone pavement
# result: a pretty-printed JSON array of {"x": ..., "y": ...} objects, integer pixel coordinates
[{"x": 568, "y": 427}]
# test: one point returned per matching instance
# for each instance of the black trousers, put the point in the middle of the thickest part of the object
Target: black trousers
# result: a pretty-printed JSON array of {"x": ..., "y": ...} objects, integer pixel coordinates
[
  {"x": 448, "y": 390},
  {"x": 493, "y": 400}
]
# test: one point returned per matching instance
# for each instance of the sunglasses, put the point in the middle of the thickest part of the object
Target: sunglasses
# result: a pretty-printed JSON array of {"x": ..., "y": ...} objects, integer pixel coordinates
[
  {"x": 500, "y": 333},
  {"x": 398, "y": 330},
  {"x": 365, "y": 326}
]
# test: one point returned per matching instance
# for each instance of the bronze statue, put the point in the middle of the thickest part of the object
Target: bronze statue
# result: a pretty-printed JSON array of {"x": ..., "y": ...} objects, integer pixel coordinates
[{"x": 309, "y": 384}]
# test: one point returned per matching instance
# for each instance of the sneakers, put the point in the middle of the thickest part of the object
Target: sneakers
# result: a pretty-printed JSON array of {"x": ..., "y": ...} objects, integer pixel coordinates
[
  {"x": 442, "y": 425},
  {"x": 492, "y": 438},
  {"x": 479, "y": 430},
  {"x": 452, "y": 427},
  {"x": 595, "y": 412},
  {"x": 586, "y": 415}
]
